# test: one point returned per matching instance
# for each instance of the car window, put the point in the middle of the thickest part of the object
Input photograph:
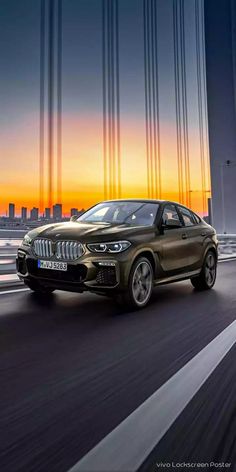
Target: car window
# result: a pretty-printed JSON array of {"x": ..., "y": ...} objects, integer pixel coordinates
[
  {"x": 99, "y": 213},
  {"x": 170, "y": 213},
  {"x": 197, "y": 218},
  {"x": 122, "y": 212},
  {"x": 188, "y": 216},
  {"x": 144, "y": 215}
]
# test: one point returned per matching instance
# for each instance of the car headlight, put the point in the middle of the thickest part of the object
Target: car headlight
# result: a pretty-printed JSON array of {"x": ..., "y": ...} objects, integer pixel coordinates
[
  {"x": 113, "y": 247},
  {"x": 27, "y": 240}
]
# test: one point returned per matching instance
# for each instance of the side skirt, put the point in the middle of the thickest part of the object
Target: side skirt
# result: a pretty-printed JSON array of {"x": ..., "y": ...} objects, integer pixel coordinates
[{"x": 177, "y": 278}]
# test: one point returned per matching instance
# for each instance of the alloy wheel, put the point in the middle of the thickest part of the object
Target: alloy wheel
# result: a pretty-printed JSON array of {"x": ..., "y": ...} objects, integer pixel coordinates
[
  {"x": 142, "y": 283},
  {"x": 210, "y": 269}
]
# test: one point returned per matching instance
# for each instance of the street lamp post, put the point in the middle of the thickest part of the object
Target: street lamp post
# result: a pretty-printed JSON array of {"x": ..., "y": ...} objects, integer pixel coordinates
[{"x": 222, "y": 195}]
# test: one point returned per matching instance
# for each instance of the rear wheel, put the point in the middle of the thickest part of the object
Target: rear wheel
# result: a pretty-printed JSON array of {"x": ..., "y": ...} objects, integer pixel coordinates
[
  {"x": 38, "y": 288},
  {"x": 207, "y": 276},
  {"x": 140, "y": 284}
]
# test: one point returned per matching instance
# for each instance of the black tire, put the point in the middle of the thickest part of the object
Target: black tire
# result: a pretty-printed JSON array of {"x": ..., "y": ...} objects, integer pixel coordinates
[
  {"x": 37, "y": 288},
  {"x": 206, "y": 279},
  {"x": 140, "y": 285}
]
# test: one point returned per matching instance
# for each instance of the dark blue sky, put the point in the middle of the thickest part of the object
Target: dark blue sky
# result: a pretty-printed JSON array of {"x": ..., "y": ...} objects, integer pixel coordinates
[
  {"x": 82, "y": 90},
  {"x": 82, "y": 54}
]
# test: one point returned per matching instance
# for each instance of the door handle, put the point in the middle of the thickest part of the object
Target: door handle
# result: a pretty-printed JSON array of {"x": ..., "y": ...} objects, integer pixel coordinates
[{"x": 184, "y": 236}]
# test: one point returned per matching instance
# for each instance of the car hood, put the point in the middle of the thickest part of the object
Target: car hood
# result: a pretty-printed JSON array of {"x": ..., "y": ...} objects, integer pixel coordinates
[{"x": 87, "y": 232}]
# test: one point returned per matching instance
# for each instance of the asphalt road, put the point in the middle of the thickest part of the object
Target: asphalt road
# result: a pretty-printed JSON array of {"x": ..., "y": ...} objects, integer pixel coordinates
[{"x": 72, "y": 367}]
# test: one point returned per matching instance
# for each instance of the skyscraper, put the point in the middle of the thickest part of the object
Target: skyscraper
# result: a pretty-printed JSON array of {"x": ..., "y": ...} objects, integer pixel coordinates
[
  {"x": 34, "y": 214},
  {"x": 24, "y": 213},
  {"x": 11, "y": 211},
  {"x": 74, "y": 212},
  {"x": 47, "y": 213},
  {"x": 57, "y": 211}
]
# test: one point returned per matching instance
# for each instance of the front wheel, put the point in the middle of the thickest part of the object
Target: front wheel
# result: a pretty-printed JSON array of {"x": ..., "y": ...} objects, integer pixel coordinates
[
  {"x": 140, "y": 284},
  {"x": 207, "y": 276},
  {"x": 37, "y": 288}
]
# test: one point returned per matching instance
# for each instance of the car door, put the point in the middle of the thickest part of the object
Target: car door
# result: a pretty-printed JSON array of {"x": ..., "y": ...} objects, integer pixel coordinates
[
  {"x": 194, "y": 236},
  {"x": 174, "y": 252}
]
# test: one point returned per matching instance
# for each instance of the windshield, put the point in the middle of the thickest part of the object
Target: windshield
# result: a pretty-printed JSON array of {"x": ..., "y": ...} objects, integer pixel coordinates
[{"x": 131, "y": 213}]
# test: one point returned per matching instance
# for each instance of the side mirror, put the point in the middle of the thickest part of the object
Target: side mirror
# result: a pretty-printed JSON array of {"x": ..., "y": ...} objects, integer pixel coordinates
[
  {"x": 73, "y": 217},
  {"x": 171, "y": 224}
]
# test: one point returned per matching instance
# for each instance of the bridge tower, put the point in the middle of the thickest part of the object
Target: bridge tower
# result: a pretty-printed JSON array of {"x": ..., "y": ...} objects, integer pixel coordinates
[{"x": 220, "y": 41}]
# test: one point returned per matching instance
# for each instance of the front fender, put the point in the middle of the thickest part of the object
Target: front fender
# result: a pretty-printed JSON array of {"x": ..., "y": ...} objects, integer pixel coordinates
[{"x": 138, "y": 252}]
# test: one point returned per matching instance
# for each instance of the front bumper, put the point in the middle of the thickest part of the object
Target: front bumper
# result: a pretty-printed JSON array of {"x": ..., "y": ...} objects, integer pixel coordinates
[{"x": 90, "y": 272}]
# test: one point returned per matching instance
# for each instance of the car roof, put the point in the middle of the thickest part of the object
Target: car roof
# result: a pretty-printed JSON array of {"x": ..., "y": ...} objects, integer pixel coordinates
[
  {"x": 148, "y": 200},
  {"x": 144, "y": 200}
]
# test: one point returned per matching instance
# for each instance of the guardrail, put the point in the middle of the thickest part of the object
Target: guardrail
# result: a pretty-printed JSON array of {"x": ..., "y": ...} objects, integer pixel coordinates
[
  {"x": 7, "y": 264},
  {"x": 227, "y": 245},
  {"x": 9, "y": 243},
  {"x": 8, "y": 249}
]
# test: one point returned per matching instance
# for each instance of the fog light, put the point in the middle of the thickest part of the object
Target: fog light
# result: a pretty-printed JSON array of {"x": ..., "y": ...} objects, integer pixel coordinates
[{"x": 107, "y": 263}]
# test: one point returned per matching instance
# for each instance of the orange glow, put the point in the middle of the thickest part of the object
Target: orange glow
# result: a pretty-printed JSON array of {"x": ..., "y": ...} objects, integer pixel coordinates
[{"x": 82, "y": 170}]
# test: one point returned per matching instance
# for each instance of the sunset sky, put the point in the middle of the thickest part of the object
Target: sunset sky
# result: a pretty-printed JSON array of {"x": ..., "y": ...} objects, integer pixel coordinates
[{"x": 82, "y": 125}]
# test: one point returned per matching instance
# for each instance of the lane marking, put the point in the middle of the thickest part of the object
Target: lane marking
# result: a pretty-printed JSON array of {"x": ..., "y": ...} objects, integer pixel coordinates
[
  {"x": 14, "y": 291},
  {"x": 130, "y": 443}
]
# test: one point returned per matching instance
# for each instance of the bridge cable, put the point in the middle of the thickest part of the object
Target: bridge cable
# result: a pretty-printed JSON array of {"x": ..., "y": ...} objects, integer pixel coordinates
[
  {"x": 50, "y": 101},
  {"x": 42, "y": 98},
  {"x": 59, "y": 102}
]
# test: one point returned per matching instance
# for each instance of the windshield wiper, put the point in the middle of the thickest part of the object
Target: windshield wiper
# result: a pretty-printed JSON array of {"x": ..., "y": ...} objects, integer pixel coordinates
[{"x": 96, "y": 222}]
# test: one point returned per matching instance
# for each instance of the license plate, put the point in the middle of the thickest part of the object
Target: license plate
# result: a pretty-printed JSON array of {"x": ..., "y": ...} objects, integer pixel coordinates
[{"x": 53, "y": 265}]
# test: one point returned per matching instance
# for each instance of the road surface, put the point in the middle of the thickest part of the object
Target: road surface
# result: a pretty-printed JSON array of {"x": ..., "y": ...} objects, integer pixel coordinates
[{"x": 73, "y": 367}]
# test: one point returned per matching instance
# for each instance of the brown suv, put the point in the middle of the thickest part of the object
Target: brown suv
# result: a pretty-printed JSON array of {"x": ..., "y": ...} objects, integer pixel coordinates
[{"x": 121, "y": 248}]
